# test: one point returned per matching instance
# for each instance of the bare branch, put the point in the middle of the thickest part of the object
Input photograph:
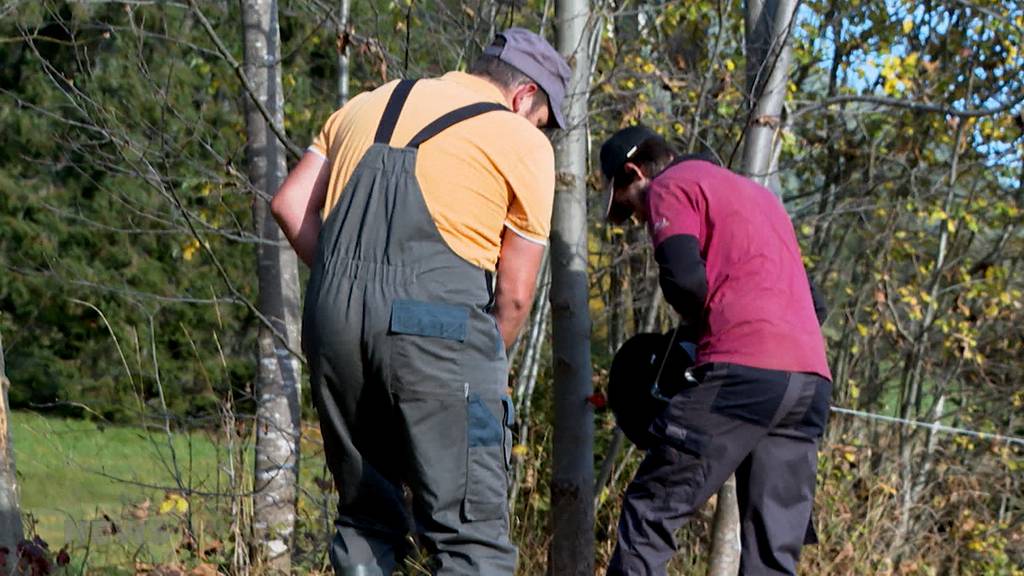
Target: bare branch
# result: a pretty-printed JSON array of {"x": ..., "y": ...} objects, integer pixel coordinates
[
  {"x": 293, "y": 150},
  {"x": 910, "y": 105}
]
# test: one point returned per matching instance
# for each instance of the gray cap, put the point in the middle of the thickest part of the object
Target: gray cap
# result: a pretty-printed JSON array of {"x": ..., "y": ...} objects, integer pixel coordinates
[{"x": 533, "y": 56}]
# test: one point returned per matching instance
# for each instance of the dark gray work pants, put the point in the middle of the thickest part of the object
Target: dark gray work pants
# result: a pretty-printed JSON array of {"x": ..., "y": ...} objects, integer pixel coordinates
[{"x": 765, "y": 426}]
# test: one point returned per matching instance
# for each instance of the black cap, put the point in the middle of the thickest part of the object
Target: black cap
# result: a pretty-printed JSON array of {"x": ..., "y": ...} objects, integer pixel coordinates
[
  {"x": 617, "y": 149},
  {"x": 614, "y": 153}
]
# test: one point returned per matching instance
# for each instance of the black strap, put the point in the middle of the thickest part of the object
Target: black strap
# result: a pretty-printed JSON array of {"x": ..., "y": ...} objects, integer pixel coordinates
[
  {"x": 450, "y": 119},
  {"x": 386, "y": 128},
  {"x": 489, "y": 281}
]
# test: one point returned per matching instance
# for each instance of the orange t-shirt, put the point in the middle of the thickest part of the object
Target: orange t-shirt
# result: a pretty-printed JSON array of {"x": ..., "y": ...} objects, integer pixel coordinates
[{"x": 478, "y": 177}]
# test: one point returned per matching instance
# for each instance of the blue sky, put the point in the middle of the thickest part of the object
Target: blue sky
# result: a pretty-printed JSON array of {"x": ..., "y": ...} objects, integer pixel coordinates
[{"x": 869, "y": 59}]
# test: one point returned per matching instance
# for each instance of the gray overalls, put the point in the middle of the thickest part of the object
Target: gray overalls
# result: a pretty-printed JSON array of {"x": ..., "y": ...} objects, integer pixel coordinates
[{"x": 408, "y": 372}]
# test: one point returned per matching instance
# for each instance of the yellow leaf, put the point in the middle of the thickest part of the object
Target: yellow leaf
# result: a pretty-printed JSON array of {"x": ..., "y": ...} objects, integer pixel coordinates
[
  {"x": 189, "y": 250},
  {"x": 729, "y": 64},
  {"x": 519, "y": 450},
  {"x": 173, "y": 502},
  {"x": 908, "y": 25},
  {"x": 886, "y": 488}
]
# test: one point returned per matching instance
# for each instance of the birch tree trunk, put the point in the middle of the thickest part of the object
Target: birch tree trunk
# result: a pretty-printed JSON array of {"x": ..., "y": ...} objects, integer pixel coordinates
[
  {"x": 10, "y": 512},
  {"x": 768, "y": 56},
  {"x": 343, "y": 71},
  {"x": 572, "y": 475},
  {"x": 277, "y": 385}
]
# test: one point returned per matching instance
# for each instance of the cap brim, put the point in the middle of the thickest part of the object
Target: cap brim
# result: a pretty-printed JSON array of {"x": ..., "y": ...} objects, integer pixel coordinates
[
  {"x": 558, "y": 116},
  {"x": 610, "y": 196},
  {"x": 616, "y": 213}
]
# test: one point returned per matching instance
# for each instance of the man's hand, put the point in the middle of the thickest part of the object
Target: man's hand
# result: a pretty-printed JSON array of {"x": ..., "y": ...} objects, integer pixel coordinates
[
  {"x": 518, "y": 265},
  {"x": 298, "y": 203}
]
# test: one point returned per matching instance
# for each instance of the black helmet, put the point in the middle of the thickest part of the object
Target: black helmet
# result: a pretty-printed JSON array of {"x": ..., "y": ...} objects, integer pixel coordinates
[{"x": 634, "y": 396}]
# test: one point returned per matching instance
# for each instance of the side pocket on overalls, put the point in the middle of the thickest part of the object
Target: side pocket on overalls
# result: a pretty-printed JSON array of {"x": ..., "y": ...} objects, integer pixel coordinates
[{"x": 486, "y": 466}]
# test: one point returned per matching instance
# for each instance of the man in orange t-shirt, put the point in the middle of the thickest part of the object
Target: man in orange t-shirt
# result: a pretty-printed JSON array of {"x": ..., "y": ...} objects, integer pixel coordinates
[{"x": 408, "y": 203}]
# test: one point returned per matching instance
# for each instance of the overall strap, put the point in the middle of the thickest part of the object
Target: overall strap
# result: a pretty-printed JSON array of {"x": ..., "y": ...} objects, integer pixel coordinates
[
  {"x": 450, "y": 119},
  {"x": 389, "y": 119}
]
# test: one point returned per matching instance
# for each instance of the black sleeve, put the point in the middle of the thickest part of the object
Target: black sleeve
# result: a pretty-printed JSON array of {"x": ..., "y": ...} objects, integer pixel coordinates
[
  {"x": 820, "y": 306},
  {"x": 682, "y": 276}
]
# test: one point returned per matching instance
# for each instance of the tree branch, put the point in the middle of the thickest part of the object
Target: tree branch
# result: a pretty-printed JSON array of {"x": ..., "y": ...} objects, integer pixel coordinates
[
  {"x": 293, "y": 150},
  {"x": 909, "y": 105}
]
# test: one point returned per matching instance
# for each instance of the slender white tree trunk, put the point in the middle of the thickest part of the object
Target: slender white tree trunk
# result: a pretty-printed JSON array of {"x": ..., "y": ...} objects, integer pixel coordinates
[
  {"x": 343, "y": 73},
  {"x": 277, "y": 385},
  {"x": 572, "y": 475},
  {"x": 10, "y": 512},
  {"x": 768, "y": 25},
  {"x": 768, "y": 57}
]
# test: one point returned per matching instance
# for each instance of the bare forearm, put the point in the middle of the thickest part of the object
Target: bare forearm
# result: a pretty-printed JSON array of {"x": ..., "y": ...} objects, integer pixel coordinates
[
  {"x": 517, "y": 275},
  {"x": 511, "y": 313}
]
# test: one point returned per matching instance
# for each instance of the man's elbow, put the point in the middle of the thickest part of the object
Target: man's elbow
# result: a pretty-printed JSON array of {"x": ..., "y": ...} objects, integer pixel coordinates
[
  {"x": 686, "y": 295},
  {"x": 519, "y": 302},
  {"x": 279, "y": 209},
  {"x": 287, "y": 216}
]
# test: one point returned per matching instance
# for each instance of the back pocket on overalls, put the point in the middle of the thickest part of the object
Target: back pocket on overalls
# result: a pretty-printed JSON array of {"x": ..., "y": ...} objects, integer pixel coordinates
[{"x": 487, "y": 460}]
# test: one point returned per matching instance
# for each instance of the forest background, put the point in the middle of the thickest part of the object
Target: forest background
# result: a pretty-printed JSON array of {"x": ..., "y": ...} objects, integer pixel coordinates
[{"x": 130, "y": 300}]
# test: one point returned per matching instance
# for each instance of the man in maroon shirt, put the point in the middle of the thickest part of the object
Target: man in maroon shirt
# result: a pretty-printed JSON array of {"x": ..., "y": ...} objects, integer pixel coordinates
[{"x": 729, "y": 264}]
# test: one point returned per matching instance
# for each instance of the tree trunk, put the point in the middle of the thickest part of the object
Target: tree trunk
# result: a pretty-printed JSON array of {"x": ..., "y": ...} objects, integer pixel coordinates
[
  {"x": 10, "y": 512},
  {"x": 277, "y": 385},
  {"x": 768, "y": 56},
  {"x": 572, "y": 475},
  {"x": 343, "y": 71},
  {"x": 526, "y": 381},
  {"x": 725, "y": 533}
]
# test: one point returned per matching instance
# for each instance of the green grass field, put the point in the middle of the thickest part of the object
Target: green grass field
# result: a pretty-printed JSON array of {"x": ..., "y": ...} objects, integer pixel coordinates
[{"x": 78, "y": 479}]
